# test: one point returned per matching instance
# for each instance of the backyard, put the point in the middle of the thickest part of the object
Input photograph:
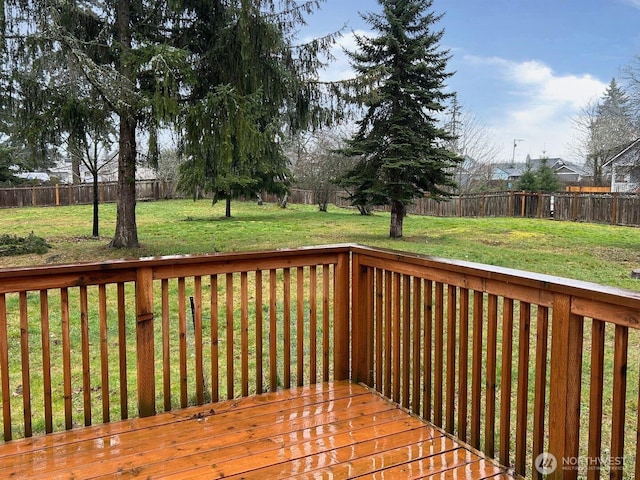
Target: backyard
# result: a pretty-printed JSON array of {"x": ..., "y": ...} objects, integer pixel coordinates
[
  {"x": 289, "y": 298},
  {"x": 597, "y": 253}
]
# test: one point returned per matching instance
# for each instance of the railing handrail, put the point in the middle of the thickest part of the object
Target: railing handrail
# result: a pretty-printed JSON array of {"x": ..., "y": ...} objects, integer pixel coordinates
[
  {"x": 380, "y": 291},
  {"x": 470, "y": 273},
  {"x": 546, "y": 282}
]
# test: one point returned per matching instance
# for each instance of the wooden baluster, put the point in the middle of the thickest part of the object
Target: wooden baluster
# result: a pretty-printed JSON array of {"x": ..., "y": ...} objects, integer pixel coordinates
[
  {"x": 300, "y": 326},
  {"x": 476, "y": 369},
  {"x": 229, "y": 336},
  {"x": 406, "y": 339},
  {"x": 182, "y": 336},
  {"x": 428, "y": 347},
  {"x": 273, "y": 336},
  {"x": 595, "y": 396},
  {"x": 619, "y": 406},
  {"x": 395, "y": 354},
  {"x": 66, "y": 357},
  {"x": 539, "y": 402},
  {"x": 505, "y": 381},
  {"x": 388, "y": 331},
  {"x": 197, "y": 336},
  {"x": 379, "y": 317},
  {"x": 463, "y": 362},
  {"x": 523, "y": 388},
  {"x": 416, "y": 354},
  {"x": 86, "y": 374},
  {"x": 215, "y": 343},
  {"x": 452, "y": 308},
  {"x": 259, "y": 320},
  {"x": 46, "y": 360},
  {"x": 286, "y": 300},
  {"x": 122, "y": 352},
  {"x": 104, "y": 352},
  {"x": 244, "y": 332},
  {"x": 313, "y": 325},
  {"x": 4, "y": 370},
  {"x": 438, "y": 355},
  {"x": 490, "y": 382},
  {"x": 326, "y": 297},
  {"x": 166, "y": 349}
]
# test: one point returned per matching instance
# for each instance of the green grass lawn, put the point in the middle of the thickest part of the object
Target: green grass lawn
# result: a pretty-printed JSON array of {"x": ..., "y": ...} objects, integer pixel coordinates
[{"x": 599, "y": 253}]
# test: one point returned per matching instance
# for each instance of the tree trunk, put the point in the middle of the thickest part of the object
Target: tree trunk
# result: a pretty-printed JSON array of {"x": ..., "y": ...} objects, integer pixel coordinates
[
  {"x": 75, "y": 151},
  {"x": 398, "y": 212},
  {"x": 126, "y": 235},
  {"x": 227, "y": 209},
  {"x": 96, "y": 201}
]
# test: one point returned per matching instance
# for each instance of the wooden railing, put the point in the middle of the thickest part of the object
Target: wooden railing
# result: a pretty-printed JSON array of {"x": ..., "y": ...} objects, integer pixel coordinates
[
  {"x": 157, "y": 333},
  {"x": 495, "y": 357},
  {"x": 518, "y": 365}
]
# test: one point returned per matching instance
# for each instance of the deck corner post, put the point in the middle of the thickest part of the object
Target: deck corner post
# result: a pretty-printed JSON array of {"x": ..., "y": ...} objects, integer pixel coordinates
[
  {"x": 362, "y": 323},
  {"x": 145, "y": 343},
  {"x": 341, "y": 331},
  {"x": 564, "y": 402}
]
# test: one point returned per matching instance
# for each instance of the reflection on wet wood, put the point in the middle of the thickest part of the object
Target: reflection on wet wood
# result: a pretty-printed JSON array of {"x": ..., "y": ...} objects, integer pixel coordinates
[{"x": 334, "y": 430}]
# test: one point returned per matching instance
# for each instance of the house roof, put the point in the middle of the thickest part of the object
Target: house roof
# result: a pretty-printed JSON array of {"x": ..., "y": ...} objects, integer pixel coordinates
[
  {"x": 560, "y": 166},
  {"x": 633, "y": 145}
]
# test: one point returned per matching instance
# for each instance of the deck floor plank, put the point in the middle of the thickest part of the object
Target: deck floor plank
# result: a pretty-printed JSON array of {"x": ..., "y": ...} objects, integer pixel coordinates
[{"x": 336, "y": 430}]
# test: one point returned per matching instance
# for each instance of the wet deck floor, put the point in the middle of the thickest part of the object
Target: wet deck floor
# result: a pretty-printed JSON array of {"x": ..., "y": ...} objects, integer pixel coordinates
[{"x": 336, "y": 430}]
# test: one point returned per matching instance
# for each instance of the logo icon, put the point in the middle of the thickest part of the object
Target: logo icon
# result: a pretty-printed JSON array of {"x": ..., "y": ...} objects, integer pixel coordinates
[{"x": 546, "y": 463}]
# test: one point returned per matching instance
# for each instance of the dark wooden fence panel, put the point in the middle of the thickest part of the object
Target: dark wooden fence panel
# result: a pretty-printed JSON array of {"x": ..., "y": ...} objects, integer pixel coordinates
[
  {"x": 612, "y": 208},
  {"x": 81, "y": 194}
]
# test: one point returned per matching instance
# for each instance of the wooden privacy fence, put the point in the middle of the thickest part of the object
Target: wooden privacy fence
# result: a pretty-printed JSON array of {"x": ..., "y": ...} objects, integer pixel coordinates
[
  {"x": 79, "y": 194},
  {"x": 612, "y": 208},
  {"x": 514, "y": 363}
]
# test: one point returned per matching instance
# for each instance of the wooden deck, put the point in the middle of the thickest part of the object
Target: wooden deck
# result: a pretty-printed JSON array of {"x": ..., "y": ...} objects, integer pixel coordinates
[{"x": 334, "y": 430}]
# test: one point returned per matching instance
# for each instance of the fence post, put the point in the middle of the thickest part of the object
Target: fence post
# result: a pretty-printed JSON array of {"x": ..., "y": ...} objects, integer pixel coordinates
[
  {"x": 341, "y": 318},
  {"x": 566, "y": 374},
  {"x": 362, "y": 322},
  {"x": 145, "y": 343},
  {"x": 614, "y": 209}
]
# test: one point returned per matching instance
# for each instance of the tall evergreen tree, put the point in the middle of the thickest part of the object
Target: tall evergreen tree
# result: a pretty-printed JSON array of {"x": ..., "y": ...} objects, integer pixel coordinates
[
  {"x": 252, "y": 87},
  {"x": 401, "y": 75},
  {"x": 611, "y": 127}
]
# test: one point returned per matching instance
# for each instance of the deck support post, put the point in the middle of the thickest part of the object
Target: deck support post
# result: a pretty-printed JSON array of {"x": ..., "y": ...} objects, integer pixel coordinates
[
  {"x": 362, "y": 319},
  {"x": 145, "y": 343},
  {"x": 341, "y": 317},
  {"x": 566, "y": 374}
]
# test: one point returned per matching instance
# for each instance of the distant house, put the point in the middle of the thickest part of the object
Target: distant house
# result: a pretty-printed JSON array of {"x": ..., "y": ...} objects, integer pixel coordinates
[
  {"x": 625, "y": 169},
  {"x": 568, "y": 173},
  {"x": 108, "y": 172}
]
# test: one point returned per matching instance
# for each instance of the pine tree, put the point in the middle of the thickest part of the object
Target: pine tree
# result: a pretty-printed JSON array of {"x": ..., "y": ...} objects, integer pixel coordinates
[
  {"x": 401, "y": 74},
  {"x": 547, "y": 179},
  {"x": 252, "y": 87},
  {"x": 611, "y": 128},
  {"x": 94, "y": 40}
]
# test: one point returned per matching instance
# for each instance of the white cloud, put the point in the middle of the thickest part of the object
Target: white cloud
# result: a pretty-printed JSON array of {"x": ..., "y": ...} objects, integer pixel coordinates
[
  {"x": 339, "y": 68},
  {"x": 534, "y": 103},
  {"x": 633, "y": 3}
]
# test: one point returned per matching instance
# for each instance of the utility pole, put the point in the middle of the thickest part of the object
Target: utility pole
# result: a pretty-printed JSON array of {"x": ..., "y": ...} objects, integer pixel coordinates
[{"x": 513, "y": 155}]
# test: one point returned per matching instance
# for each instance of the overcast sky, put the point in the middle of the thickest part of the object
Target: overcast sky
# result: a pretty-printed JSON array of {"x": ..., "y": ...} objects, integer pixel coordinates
[{"x": 523, "y": 67}]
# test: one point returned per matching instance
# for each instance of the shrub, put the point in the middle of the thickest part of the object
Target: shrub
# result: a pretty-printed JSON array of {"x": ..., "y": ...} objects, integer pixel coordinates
[{"x": 14, "y": 245}]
